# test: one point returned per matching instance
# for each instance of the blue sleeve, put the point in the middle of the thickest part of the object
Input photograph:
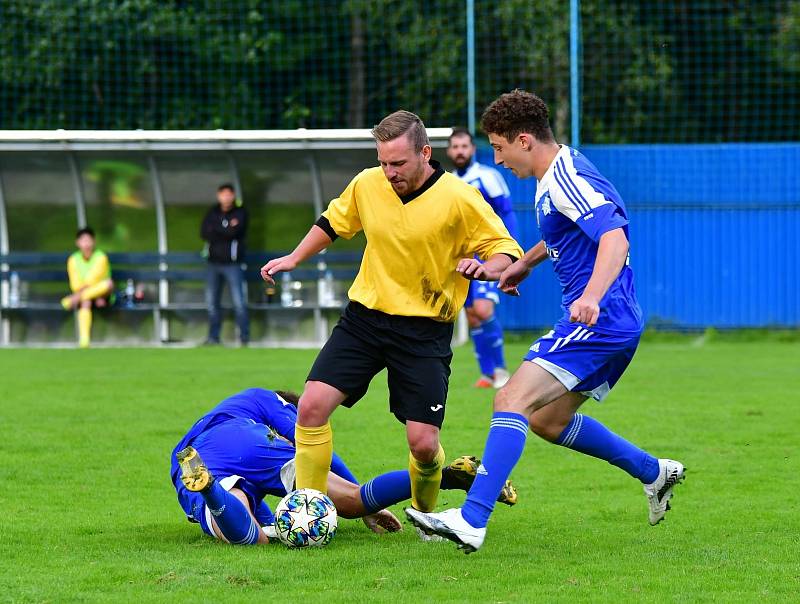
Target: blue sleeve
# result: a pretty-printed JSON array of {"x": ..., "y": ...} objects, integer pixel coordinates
[
  {"x": 339, "y": 468},
  {"x": 602, "y": 219},
  {"x": 262, "y": 406}
]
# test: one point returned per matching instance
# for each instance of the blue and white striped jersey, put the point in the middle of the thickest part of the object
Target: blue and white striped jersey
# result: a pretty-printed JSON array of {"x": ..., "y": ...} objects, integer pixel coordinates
[
  {"x": 575, "y": 205},
  {"x": 494, "y": 190}
]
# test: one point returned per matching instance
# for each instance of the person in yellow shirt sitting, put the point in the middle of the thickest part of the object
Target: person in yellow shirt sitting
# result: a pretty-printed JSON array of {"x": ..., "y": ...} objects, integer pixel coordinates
[{"x": 89, "y": 280}]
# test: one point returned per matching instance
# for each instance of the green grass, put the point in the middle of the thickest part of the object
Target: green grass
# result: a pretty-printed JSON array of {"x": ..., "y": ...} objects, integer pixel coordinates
[{"x": 89, "y": 513}]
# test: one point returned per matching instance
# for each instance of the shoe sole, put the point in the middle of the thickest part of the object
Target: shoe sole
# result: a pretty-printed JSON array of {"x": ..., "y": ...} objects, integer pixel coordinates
[
  {"x": 194, "y": 474},
  {"x": 668, "y": 495},
  {"x": 465, "y": 547},
  {"x": 465, "y": 469}
]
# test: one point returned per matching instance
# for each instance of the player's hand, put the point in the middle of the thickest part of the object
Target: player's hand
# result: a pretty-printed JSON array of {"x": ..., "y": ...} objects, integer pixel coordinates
[
  {"x": 473, "y": 269},
  {"x": 275, "y": 266},
  {"x": 512, "y": 277},
  {"x": 584, "y": 310},
  {"x": 383, "y": 522}
]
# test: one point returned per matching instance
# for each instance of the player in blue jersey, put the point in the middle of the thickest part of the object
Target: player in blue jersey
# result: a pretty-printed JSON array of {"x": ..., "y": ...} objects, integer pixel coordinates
[
  {"x": 584, "y": 227},
  {"x": 243, "y": 450},
  {"x": 483, "y": 296}
]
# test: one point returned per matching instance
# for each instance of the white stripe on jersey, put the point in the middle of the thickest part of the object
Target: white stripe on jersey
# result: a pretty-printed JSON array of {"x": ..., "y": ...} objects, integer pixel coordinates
[
  {"x": 572, "y": 195},
  {"x": 490, "y": 178}
]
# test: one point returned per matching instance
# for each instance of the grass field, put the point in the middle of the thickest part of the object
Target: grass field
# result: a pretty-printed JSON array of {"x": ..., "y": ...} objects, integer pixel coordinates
[{"x": 89, "y": 513}]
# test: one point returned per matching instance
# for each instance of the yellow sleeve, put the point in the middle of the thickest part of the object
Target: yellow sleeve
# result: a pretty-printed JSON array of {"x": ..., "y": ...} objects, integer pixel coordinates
[
  {"x": 490, "y": 235},
  {"x": 74, "y": 277},
  {"x": 100, "y": 270},
  {"x": 342, "y": 212}
]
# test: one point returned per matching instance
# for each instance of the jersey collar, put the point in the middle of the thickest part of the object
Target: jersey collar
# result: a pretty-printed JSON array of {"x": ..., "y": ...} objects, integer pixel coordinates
[
  {"x": 437, "y": 174},
  {"x": 543, "y": 184}
]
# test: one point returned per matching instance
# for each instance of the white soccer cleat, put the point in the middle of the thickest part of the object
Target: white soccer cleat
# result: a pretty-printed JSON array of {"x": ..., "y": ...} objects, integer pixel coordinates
[
  {"x": 659, "y": 492},
  {"x": 501, "y": 377},
  {"x": 449, "y": 524}
]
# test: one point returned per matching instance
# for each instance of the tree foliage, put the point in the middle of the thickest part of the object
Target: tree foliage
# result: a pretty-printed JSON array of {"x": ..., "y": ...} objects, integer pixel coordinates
[{"x": 680, "y": 71}]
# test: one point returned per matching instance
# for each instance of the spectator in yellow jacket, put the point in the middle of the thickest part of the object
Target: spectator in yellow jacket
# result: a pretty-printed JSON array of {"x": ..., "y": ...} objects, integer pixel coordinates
[{"x": 89, "y": 280}]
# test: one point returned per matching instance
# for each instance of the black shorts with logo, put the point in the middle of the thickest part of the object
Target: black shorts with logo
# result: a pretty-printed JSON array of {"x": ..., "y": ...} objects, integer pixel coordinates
[{"x": 414, "y": 350}]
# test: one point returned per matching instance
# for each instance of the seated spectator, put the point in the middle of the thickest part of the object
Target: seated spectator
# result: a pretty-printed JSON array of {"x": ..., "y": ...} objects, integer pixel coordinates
[{"x": 90, "y": 282}]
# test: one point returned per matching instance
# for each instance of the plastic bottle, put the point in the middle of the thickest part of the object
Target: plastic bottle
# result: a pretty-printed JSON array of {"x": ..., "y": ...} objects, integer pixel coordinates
[
  {"x": 130, "y": 292},
  {"x": 287, "y": 299},
  {"x": 328, "y": 299},
  {"x": 13, "y": 289}
]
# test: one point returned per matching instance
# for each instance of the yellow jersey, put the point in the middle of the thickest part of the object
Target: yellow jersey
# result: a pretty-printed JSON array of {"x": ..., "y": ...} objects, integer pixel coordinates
[
  {"x": 415, "y": 243},
  {"x": 84, "y": 273}
]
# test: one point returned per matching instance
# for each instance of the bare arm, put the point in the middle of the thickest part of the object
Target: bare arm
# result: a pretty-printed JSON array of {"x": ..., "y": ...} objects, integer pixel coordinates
[
  {"x": 314, "y": 242},
  {"x": 488, "y": 271},
  {"x": 611, "y": 256},
  {"x": 518, "y": 271}
]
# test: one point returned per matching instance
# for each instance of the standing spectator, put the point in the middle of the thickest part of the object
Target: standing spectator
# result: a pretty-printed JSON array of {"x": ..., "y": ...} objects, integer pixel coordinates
[
  {"x": 89, "y": 280},
  {"x": 223, "y": 229}
]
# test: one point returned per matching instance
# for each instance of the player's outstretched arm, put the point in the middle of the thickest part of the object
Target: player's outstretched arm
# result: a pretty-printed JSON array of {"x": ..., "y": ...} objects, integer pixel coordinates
[
  {"x": 519, "y": 270},
  {"x": 314, "y": 242},
  {"x": 470, "y": 268},
  {"x": 612, "y": 253}
]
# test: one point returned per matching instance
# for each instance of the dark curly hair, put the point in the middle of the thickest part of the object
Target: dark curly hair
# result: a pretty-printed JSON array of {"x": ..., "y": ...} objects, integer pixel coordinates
[{"x": 516, "y": 112}]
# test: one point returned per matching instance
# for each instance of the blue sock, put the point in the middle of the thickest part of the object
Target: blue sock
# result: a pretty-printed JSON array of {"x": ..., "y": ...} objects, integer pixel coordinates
[
  {"x": 233, "y": 519},
  {"x": 385, "y": 490},
  {"x": 483, "y": 350},
  {"x": 589, "y": 436},
  {"x": 504, "y": 447},
  {"x": 494, "y": 332}
]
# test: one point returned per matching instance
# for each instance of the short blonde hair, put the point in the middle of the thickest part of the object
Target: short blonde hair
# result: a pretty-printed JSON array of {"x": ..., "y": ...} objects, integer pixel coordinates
[{"x": 399, "y": 123}]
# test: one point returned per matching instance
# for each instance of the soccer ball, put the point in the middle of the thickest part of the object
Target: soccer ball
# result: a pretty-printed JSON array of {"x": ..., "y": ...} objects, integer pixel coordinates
[{"x": 305, "y": 518}]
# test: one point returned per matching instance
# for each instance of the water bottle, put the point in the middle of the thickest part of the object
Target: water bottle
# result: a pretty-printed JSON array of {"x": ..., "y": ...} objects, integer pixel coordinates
[
  {"x": 130, "y": 292},
  {"x": 13, "y": 289},
  {"x": 287, "y": 299},
  {"x": 328, "y": 298}
]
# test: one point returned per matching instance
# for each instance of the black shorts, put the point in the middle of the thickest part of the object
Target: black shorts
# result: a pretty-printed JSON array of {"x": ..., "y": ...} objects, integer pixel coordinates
[{"x": 415, "y": 351}]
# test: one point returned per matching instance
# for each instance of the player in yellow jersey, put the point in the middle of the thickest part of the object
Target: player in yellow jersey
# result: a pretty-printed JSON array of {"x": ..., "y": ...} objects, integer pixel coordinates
[
  {"x": 89, "y": 280},
  {"x": 423, "y": 227}
]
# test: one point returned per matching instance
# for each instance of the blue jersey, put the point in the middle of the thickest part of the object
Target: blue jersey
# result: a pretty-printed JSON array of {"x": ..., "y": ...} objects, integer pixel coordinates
[
  {"x": 575, "y": 205},
  {"x": 237, "y": 438},
  {"x": 494, "y": 190}
]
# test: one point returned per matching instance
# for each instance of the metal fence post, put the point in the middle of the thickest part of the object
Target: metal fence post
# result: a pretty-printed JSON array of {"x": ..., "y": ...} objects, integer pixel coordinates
[
  {"x": 5, "y": 324},
  {"x": 575, "y": 71},
  {"x": 471, "y": 66},
  {"x": 161, "y": 323}
]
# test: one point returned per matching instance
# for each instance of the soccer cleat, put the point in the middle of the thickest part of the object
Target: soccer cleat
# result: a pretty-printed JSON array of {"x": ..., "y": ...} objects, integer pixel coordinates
[
  {"x": 194, "y": 473},
  {"x": 460, "y": 474},
  {"x": 423, "y": 536},
  {"x": 501, "y": 377},
  {"x": 484, "y": 382},
  {"x": 659, "y": 492},
  {"x": 450, "y": 525}
]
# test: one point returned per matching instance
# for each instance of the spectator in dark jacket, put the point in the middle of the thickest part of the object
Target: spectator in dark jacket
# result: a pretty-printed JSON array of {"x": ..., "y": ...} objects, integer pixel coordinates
[{"x": 223, "y": 229}]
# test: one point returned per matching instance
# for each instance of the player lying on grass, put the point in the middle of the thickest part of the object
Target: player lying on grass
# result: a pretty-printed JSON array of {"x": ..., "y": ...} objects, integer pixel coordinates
[{"x": 243, "y": 450}]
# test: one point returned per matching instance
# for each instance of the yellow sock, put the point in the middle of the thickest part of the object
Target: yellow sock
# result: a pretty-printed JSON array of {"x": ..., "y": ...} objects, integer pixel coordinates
[
  {"x": 84, "y": 326},
  {"x": 425, "y": 480},
  {"x": 312, "y": 459}
]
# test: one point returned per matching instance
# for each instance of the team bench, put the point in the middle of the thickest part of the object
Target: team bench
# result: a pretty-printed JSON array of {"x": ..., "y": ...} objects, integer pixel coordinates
[{"x": 34, "y": 282}]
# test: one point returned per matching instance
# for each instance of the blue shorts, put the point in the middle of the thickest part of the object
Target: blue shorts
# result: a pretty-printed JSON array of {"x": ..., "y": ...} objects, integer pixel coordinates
[
  {"x": 584, "y": 360},
  {"x": 243, "y": 454},
  {"x": 482, "y": 290}
]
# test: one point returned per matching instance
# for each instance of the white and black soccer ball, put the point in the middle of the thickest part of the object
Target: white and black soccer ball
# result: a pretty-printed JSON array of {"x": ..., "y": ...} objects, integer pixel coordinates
[{"x": 305, "y": 518}]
